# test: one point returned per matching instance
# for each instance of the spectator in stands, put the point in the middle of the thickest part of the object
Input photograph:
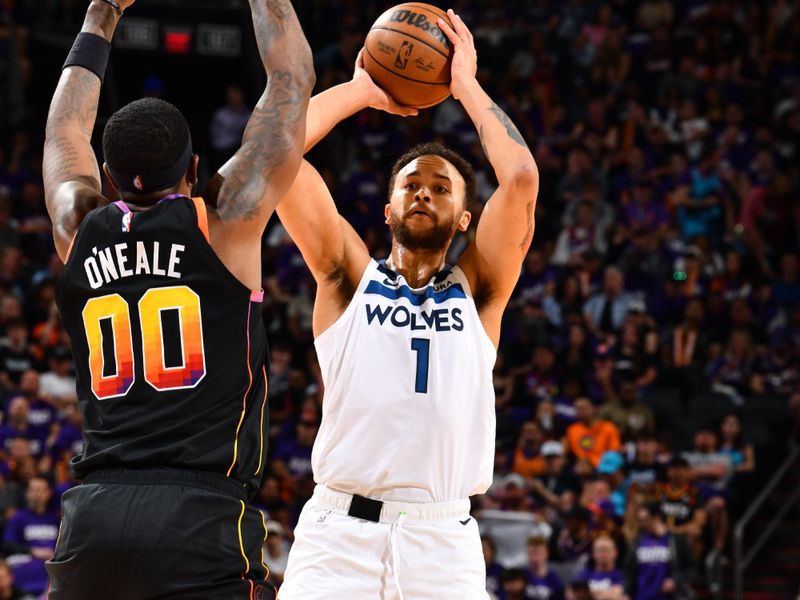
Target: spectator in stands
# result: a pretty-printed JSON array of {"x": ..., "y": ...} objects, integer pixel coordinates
[
  {"x": 681, "y": 504},
  {"x": 605, "y": 312},
  {"x": 58, "y": 384},
  {"x": 712, "y": 469},
  {"x": 644, "y": 472},
  {"x": 590, "y": 437},
  {"x": 494, "y": 571},
  {"x": 41, "y": 413},
  {"x": 573, "y": 543},
  {"x": 17, "y": 426},
  {"x": 540, "y": 381},
  {"x": 16, "y": 357},
  {"x": 787, "y": 285},
  {"x": 578, "y": 237},
  {"x": 292, "y": 459},
  {"x": 31, "y": 534},
  {"x": 527, "y": 459},
  {"x": 542, "y": 583},
  {"x": 8, "y": 591},
  {"x": 557, "y": 481},
  {"x": 733, "y": 441},
  {"x": 626, "y": 412},
  {"x": 227, "y": 126},
  {"x": 513, "y": 582},
  {"x": 276, "y": 552},
  {"x": 611, "y": 470},
  {"x": 604, "y": 578},
  {"x": 658, "y": 565},
  {"x": 730, "y": 374}
]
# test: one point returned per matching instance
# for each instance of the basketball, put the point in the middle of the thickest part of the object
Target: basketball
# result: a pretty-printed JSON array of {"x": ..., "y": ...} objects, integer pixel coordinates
[{"x": 409, "y": 56}]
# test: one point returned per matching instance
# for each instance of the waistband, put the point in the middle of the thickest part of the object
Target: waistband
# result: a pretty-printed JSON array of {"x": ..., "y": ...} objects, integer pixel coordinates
[
  {"x": 340, "y": 502},
  {"x": 165, "y": 476}
]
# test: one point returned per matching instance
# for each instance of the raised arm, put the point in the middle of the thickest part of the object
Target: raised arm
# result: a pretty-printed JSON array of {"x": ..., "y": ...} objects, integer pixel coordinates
[
  {"x": 339, "y": 102},
  {"x": 71, "y": 175},
  {"x": 505, "y": 230},
  {"x": 249, "y": 186},
  {"x": 333, "y": 251}
]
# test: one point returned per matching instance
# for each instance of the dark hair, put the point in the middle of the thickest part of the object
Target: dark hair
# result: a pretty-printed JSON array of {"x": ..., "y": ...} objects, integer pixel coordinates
[
  {"x": 454, "y": 158},
  {"x": 654, "y": 509},
  {"x": 144, "y": 137}
]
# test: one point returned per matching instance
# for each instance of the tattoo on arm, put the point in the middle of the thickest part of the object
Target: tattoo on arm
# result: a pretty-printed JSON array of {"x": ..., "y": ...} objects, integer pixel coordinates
[
  {"x": 483, "y": 144},
  {"x": 269, "y": 21},
  {"x": 511, "y": 129},
  {"x": 268, "y": 139},
  {"x": 529, "y": 229}
]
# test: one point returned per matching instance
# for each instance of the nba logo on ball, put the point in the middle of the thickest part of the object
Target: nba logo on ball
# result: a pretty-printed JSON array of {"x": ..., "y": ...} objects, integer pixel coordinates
[
  {"x": 407, "y": 54},
  {"x": 137, "y": 182},
  {"x": 401, "y": 62}
]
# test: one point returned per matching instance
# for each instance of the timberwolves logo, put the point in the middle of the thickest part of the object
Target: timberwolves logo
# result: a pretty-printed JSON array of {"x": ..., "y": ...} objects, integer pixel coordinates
[
  {"x": 401, "y": 60},
  {"x": 137, "y": 182}
]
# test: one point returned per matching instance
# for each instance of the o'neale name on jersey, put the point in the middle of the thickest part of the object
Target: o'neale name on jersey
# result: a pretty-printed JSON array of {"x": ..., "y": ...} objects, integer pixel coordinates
[
  {"x": 126, "y": 260},
  {"x": 440, "y": 319}
]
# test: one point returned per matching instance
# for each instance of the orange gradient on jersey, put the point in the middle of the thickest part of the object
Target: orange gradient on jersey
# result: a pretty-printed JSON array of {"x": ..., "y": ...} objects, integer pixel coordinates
[
  {"x": 187, "y": 302},
  {"x": 115, "y": 308}
]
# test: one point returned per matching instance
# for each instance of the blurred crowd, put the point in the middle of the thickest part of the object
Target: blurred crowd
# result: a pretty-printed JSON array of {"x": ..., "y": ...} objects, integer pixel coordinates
[{"x": 665, "y": 265}]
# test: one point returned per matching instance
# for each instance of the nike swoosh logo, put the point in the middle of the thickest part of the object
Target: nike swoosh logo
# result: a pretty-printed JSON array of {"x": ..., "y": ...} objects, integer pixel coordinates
[{"x": 465, "y": 522}]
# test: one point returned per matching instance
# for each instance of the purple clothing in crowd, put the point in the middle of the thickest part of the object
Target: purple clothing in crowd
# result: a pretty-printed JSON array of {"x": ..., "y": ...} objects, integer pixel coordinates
[{"x": 654, "y": 559}]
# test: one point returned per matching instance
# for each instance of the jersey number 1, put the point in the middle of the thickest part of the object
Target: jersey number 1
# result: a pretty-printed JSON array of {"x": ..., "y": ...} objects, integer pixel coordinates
[
  {"x": 423, "y": 349},
  {"x": 162, "y": 311}
]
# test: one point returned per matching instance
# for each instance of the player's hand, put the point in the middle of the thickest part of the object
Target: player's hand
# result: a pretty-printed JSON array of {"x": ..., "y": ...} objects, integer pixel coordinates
[
  {"x": 465, "y": 57},
  {"x": 376, "y": 96}
]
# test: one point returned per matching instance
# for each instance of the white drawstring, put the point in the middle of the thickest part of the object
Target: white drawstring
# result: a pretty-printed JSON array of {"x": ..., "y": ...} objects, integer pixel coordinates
[{"x": 393, "y": 543}]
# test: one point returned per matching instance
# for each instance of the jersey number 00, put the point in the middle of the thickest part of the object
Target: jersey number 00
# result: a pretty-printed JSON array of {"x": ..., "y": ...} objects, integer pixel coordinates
[{"x": 107, "y": 321}]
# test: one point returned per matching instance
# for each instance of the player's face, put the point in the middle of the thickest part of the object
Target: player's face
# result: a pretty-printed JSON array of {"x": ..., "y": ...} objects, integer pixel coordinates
[{"x": 427, "y": 204}]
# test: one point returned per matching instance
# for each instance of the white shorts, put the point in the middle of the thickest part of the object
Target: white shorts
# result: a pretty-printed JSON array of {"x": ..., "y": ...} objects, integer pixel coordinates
[{"x": 433, "y": 552}]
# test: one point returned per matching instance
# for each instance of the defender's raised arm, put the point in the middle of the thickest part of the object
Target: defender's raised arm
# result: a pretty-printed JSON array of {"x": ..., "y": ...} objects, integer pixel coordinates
[
  {"x": 252, "y": 183},
  {"x": 71, "y": 175}
]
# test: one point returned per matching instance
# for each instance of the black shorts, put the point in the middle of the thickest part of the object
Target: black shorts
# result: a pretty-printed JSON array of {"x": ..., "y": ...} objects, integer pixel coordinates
[{"x": 158, "y": 534}]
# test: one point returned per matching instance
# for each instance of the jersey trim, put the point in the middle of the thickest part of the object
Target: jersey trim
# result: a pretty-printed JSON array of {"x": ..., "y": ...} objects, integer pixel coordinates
[
  {"x": 417, "y": 299},
  {"x": 244, "y": 398},
  {"x": 202, "y": 216},
  {"x": 261, "y": 424},
  {"x": 69, "y": 248}
]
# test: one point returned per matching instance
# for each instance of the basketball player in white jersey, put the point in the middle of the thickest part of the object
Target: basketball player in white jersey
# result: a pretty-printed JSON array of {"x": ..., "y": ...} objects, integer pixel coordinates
[{"x": 407, "y": 348}]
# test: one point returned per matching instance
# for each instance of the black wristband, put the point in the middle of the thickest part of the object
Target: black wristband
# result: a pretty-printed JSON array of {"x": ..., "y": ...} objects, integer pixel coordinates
[{"x": 91, "y": 52}]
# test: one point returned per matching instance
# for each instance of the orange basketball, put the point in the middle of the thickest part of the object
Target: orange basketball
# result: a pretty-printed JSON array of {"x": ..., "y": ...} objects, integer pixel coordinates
[{"x": 409, "y": 56}]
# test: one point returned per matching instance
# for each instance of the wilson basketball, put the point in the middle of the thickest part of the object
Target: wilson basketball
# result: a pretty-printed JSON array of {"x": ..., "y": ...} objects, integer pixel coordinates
[{"x": 409, "y": 56}]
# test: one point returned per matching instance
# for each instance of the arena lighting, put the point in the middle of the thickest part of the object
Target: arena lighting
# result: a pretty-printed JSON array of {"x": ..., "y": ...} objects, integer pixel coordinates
[
  {"x": 219, "y": 40},
  {"x": 137, "y": 34},
  {"x": 177, "y": 40}
]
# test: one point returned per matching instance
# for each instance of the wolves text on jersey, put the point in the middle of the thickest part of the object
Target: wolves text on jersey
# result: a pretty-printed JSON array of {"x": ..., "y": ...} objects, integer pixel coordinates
[
  {"x": 126, "y": 260},
  {"x": 439, "y": 319}
]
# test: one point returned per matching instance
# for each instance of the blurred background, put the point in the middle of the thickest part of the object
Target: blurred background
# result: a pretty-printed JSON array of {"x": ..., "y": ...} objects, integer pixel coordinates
[{"x": 648, "y": 377}]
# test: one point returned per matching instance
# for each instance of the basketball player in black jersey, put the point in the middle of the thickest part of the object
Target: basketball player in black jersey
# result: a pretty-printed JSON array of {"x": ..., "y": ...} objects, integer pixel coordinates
[{"x": 161, "y": 299}]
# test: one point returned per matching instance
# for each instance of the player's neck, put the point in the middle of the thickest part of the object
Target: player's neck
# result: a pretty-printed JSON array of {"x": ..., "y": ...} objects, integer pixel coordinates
[{"x": 416, "y": 266}]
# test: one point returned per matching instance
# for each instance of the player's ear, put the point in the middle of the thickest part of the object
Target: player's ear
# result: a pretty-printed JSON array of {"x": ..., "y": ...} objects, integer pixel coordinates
[
  {"x": 387, "y": 212},
  {"x": 466, "y": 219},
  {"x": 111, "y": 183},
  {"x": 191, "y": 172}
]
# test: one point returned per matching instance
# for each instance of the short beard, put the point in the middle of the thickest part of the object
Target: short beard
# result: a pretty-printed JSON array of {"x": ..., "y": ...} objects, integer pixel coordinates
[{"x": 435, "y": 239}]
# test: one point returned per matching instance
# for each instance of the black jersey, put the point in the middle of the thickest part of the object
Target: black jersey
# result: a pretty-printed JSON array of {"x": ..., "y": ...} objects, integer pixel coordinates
[{"x": 169, "y": 347}]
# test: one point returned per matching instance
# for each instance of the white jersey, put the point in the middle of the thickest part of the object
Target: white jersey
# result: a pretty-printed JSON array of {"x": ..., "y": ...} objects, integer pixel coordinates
[{"x": 408, "y": 413}]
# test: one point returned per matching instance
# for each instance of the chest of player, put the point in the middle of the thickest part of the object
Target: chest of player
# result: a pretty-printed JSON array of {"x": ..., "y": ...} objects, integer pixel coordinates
[{"x": 392, "y": 308}]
